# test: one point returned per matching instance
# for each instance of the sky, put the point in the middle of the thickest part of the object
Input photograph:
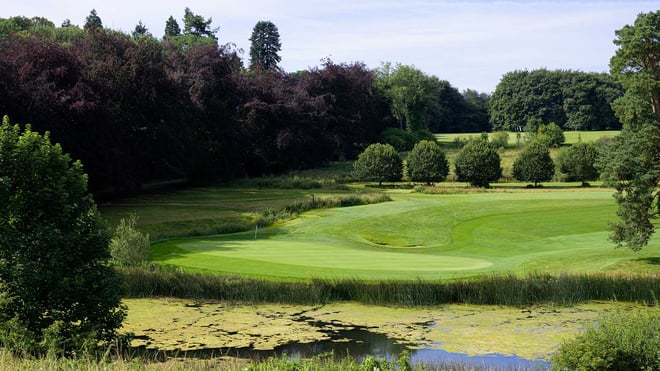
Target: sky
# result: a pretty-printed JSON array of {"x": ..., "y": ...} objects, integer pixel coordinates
[{"x": 471, "y": 44}]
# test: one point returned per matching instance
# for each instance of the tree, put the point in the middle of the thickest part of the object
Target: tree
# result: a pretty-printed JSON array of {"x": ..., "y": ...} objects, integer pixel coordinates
[
  {"x": 172, "y": 27},
  {"x": 478, "y": 163},
  {"x": 552, "y": 134},
  {"x": 196, "y": 25},
  {"x": 140, "y": 30},
  {"x": 534, "y": 164},
  {"x": 578, "y": 162},
  {"x": 427, "y": 163},
  {"x": 265, "y": 45},
  {"x": 378, "y": 163},
  {"x": 93, "y": 22},
  {"x": 631, "y": 163},
  {"x": 53, "y": 252}
]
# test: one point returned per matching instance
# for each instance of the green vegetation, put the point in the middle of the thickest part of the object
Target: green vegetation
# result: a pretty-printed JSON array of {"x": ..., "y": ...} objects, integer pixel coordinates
[
  {"x": 421, "y": 236},
  {"x": 478, "y": 163},
  {"x": 427, "y": 163},
  {"x": 631, "y": 163},
  {"x": 378, "y": 163},
  {"x": 58, "y": 294},
  {"x": 619, "y": 341},
  {"x": 534, "y": 164},
  {"x": 129, "y": 247}
]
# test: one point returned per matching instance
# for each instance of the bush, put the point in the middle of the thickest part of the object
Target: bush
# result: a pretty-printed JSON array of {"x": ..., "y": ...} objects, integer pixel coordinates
[
  {"x": 534, "y": 164},
  {"x": 401, "y": 140},
  {"x": 427, "y": 163},
  {"x": 578, "y": 162},
  {"x": 620, "y": 341},
  {"x": 500, "y": 139},
  {"x": 129, "y": 247},
  {"x": 380, "y": 163},
  {"x": 478, "y": 163}
]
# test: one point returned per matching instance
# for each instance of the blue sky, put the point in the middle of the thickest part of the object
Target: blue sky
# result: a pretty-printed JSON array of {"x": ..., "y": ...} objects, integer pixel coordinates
[{"x": 469, "y": 43}]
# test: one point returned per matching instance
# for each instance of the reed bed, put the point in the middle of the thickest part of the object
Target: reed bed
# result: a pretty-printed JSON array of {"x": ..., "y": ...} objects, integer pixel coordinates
[{"x": 511, "y": 290}]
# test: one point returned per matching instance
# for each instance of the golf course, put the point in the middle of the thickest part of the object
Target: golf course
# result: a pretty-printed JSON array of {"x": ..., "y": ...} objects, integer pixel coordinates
[{"x": 424, "y": 236}]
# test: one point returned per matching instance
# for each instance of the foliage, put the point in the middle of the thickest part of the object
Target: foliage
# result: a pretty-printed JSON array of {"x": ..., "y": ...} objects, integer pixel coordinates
[
  {"x": 93, "y": 21},
  {"x": 400, "y": 139},
  {"x": 477, "y": 118},
  {"x": 171, "y": 28},
  {"x": 265, "y": 44},
  {"x": 427, "y": 163},
  {"x": 378, "y": 163},
  {"x": 140, "y": 30},
  {"x": 196, "y": 25},
  {"x": 128, "y": 246},
  {"x": 619, "y": 341},
  {"x": 631, "y": 162},
  {"x": 478, "y": 163},
  {"x": 534, "y": 164},
  {"x": 574, "y": 100},
  {"x": 53, "y": 254},
  {"x": 552, "y": 134},
  {"x": 578, "y": 162},
  {"x": 419, "y": 102},
  {"x": 500, "y": 139}
]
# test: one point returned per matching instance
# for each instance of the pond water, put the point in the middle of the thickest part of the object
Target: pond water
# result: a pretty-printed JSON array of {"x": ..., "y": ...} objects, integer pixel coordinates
[{"x": 360, "y": 343}]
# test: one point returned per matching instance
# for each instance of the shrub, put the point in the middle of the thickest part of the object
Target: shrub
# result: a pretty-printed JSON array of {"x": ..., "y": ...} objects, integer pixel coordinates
[
  {"x": 620, "y": 341},
  {"x": 427, "y": 163},
  {"x": 478, "y": 163},
  {"x": 578, "y": 162},
  {"x": 380, "y": 163},
  {"x": 401, "y": 140},
  {"x": 500, "y": 139},
  {"x": 129, "y": 247},
  {"x": 534, "y": 164}
]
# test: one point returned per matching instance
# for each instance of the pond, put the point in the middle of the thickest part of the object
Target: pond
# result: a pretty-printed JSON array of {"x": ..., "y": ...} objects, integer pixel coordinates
[{"x": 491, "y": 337}]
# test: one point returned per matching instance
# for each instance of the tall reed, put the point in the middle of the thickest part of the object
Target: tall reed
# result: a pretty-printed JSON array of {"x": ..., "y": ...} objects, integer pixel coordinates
[{"x": 533, "y": 288}]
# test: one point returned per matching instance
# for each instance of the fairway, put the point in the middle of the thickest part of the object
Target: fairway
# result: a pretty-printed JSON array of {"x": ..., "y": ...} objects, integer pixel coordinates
[{"x": 419, "y": 236}]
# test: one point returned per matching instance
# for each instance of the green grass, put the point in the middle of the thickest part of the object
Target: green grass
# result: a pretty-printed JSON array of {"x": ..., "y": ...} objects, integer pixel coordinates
[
  {"x": 426, "y": 237},
  {"x": 571, "y": 136}
]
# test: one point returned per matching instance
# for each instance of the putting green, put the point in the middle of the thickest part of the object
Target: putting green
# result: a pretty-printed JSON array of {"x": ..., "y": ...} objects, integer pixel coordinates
[{"x": 420, "y": 236}]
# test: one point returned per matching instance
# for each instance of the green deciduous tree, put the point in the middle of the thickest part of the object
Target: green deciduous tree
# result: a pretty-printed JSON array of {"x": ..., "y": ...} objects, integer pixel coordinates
[
  {"x": 478, "y": 163},
  {"x": 53, "y": 252},
  {"x": 378, "y": 163},
  {"x": 265, "y": 46},
  {"x": 427, "y": 163},
  {"x": 552, "y": 134},
  {"x": 631, "y": 163},
  {"x": 534, "y": 164},
  {"x": 578, "y": 162}
]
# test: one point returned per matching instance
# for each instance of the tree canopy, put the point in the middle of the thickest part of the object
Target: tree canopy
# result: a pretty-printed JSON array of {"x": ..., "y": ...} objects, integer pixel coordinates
[
  {"x": 378, "y": 163},
  {"x": 534, "y": 164},
  {"x": 427, "y": 163},
  {"x": 478, "y": 163},
  {"x": 53, "y": 250},
  {"x": 631, "y": 163},
  {"x": 265, "y": 46},
  {"x": 578, "y": 162},
  {"x": 573, "y": 100}
]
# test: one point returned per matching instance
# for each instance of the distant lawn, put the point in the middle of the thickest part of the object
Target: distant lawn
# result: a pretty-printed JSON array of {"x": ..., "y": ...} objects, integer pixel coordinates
[
  {"x": 571, "y": 136},
  {"x": 425, "y": 237}
]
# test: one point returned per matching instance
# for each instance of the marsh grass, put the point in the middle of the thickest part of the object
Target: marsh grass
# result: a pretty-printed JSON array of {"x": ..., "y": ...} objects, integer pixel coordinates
[{"x": 511, "y": 290}]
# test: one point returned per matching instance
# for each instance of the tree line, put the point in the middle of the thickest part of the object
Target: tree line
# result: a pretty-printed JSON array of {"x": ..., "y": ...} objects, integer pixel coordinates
[{"x": 137, "y": 109}]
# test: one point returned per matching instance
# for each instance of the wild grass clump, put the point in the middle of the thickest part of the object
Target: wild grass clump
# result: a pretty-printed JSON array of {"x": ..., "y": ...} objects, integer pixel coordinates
[
  {"x": 535, "y": 288},
  {"x": 294, "y": 182},
  {"x": 619, "y": 341},
  {"x": 270, "y": 216}
]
